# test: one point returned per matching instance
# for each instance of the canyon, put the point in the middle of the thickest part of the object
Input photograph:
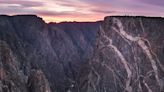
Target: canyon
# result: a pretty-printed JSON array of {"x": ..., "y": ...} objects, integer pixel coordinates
[{"x": 118, "y": 54}]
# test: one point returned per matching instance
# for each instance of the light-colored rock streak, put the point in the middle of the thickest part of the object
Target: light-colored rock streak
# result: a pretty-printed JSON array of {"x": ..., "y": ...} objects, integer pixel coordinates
[
  {"x": 97, "y": 74},
  {"x": 142, "y": 25},
  {"x": 149, "y": 90},
  {"x": 125, "y": 63},
  {"x": 141, "y": 42}
]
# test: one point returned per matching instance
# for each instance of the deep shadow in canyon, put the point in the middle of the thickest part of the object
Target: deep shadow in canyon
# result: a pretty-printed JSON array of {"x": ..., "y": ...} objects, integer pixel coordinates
[{"x": 118, "y": 54}]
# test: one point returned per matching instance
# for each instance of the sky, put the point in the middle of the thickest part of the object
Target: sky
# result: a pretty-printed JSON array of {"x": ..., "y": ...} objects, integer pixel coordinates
[{"x": 82, "y": 10}]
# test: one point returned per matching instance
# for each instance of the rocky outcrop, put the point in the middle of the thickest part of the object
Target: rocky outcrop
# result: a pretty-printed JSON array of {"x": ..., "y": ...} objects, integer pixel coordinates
[
  {"x": 124, "y": 54},
  {"x": 128, "y": 57},
  {"x": 58, "y": 50},
  {"x": 12, "y": 78},
  {"x": 37, "y": 82}
]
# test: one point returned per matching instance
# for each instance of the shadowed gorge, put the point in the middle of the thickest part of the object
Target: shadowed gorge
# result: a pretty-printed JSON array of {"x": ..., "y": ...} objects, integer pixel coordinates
[
  {"x": 58, "y": 50},
  {"x": 118, "y": 54}
]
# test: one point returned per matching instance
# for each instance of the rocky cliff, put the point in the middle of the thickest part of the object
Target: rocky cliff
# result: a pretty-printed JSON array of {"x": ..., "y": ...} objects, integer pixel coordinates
[
  {"x": 128, "y": 57},
  {"x": 36, "y": 56},
  {"x": 120, "y": 54}
]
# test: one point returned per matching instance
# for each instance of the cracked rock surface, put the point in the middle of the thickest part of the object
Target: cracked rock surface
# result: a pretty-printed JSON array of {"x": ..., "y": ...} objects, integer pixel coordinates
[
  {"x": 119, "y": 54},
  {"x": 128, "y": 56}
]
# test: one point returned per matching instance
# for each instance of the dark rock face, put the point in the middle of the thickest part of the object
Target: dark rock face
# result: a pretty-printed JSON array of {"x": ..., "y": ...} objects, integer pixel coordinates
[
  {"x": 128, "y": 57},
  {"x": 124, "y": 54},
  {"x": 73, "y": 44},
  {"x": 54, "y": 51}
]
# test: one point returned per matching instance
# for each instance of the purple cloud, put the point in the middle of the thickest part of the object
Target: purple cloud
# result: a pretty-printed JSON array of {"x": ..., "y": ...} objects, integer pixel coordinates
[
  {"x": 152, "y": 2},
  {"x": 22, "y": 3}
]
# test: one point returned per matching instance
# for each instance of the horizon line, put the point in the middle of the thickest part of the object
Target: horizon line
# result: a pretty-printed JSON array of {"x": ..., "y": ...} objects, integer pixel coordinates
[{"x": 88, "y": 21}]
